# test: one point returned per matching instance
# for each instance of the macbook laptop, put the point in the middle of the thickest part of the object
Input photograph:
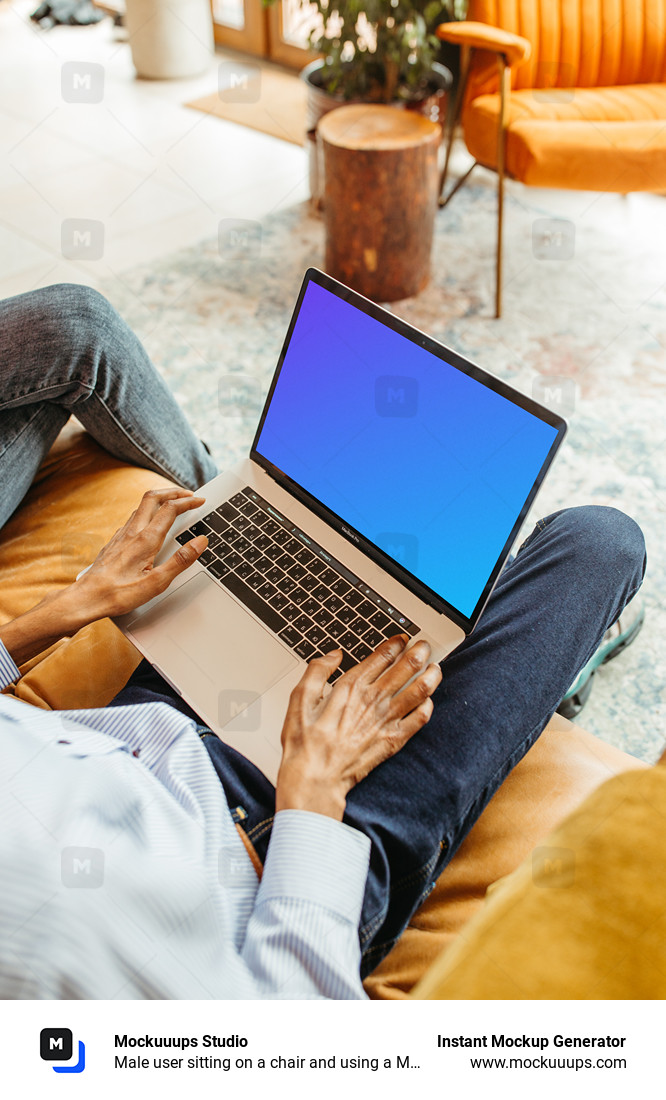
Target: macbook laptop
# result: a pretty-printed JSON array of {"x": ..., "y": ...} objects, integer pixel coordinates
[{"x": 386, "y": 483}]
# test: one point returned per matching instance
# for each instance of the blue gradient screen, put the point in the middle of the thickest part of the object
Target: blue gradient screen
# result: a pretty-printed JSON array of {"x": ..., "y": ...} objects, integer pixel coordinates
[{"x": 427, "y": 463}]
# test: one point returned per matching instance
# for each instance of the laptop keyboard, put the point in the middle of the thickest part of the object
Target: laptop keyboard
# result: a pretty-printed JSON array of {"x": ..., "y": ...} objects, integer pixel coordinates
[{"x": 306, "y": 597}]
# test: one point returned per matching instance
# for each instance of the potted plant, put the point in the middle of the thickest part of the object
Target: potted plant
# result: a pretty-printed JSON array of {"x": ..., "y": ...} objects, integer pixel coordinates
[{"x": 377, "y": 51}]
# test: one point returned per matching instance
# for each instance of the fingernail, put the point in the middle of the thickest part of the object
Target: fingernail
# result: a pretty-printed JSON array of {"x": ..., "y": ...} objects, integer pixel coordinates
[{"x": 331, "y": 652}]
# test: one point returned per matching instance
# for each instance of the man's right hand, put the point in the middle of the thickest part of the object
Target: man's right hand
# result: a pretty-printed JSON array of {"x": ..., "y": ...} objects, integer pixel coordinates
[{"x": 331, "y": 742}]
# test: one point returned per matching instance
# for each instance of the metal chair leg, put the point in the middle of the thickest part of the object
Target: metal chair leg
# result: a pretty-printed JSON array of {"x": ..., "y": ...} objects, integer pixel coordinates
[
  {"x": 465, "y": 54},
  {"x": 505, "y": 89}
]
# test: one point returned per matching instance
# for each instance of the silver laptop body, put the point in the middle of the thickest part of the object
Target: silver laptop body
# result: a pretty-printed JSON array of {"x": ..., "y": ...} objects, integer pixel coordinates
[{"x": 368, "y": 424}]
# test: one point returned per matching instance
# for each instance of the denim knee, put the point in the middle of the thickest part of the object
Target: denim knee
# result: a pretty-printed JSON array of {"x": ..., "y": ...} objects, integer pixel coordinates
[{"x": 607, "y": 539}]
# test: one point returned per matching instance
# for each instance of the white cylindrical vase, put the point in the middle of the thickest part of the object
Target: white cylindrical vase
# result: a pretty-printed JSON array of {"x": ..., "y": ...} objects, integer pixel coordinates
[{"x": 170, "y": 38}]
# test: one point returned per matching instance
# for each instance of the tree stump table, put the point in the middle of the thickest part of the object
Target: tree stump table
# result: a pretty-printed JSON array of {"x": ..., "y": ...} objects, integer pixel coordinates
[{"x": 380, "y": 198}]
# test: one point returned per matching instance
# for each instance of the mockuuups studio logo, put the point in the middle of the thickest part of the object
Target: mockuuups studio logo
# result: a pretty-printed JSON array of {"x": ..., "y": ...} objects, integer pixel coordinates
[
  {"x": 401, "y": 546},
  {"x": 556, "y": 392},
  {"x": 553, "y": 239},
  {"x": 56, "y": 1045},
  {"x": 396, "y": 395},
  {"x": 239, "y": 711},
  {"x": 82, "y": 868},
  {"x": 239, "y": 240},
  {"x": 553, "y": 868},
  {"x": 82, "y": 239},
  {"x": 239, "y": 83},
  {"x": 82, "y": 82}
]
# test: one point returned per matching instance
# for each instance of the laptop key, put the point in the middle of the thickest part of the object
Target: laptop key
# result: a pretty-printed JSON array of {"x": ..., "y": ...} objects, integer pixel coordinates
[
  {"x": 216, "y": 522},
  {"x": 354, "y": 597},
  {"x": 299, "y": 595},
  {"x": 267, "y": 591},
  {"x": 252, "y": 554},
  {"x": 245, "y": 570},
  {"x": 346, "y": 614},
  {"x": 278, "y": 602},
  {"x": 316, "y": 635},
  {"x": 348, "y": 641},
  {"x": 263, "y": 564},
  {"x": 329, "y": 577},
  {"x": 304, "y": 556},
  {"x": 218, "y": 569},
  {"x": 336, "y": 629},
  {"x": 379, "y": 620},
  {"x": 293, "y": 546},
  {"x": 242, "y": 523},
  {"x": 262, "y": 543},
  {"x": 208, "y": 557},
  {"x": 321, "y": 593},
  {"x": 297, "y": 571},
  {"x": 254, "y": 603},
  {"x": 184, "y": 536},
  {"x": 199, "y": 528},
  {"x": 213, "y": 539},
  {"x": 274, "y": 575},
  {"x": 274, "y": 552},
  {"x": 317, "y": 566},
  {"x": 255, "y": 580},
  {"x": 310, "y": 607},
  {"x": 227, "y": 510},
  {"x": 232, "y": 560},
  {"x": 305, "y": 649},
  {"x": 373, "y": 637},
  {"x": 359, "y": 626},
  {"x": 241, "y": 544},
  {"x": 303, "y": 623},
  {"x": 238, "y": 500},
  {"x": 290, "y": 612},
  {"x": 290, "y": 635},
  {"x": 269, "y": 526},
  {"x": 285, "y": 561},
  {"x": 288, "y": 586},
  {"x": 323, "y": 617},
  {"x": 347, "y": 662},
  {"x": 252, "y": 532},
  {"x": 361, "y": 651},
  {"x": 340, "y": 586},
  {"x": 365, "y": 610},
  {"x": 333, "y": 603},
  {"x": 281, "y": 536},
  {"x": 248, "y": 509},
  {"x": 309, "y": 582}
]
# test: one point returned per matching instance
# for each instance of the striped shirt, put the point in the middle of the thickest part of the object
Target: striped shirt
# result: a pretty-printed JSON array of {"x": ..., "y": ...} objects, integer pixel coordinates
[{"x": 122, "y": 874}]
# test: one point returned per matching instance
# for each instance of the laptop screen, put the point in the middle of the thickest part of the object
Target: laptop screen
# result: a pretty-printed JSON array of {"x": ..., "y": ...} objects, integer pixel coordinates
[{"x": 431, "y": 465}]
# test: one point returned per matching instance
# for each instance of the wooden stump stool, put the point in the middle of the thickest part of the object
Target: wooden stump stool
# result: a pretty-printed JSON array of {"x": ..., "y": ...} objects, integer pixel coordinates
[{"x": 380, "y": 198}]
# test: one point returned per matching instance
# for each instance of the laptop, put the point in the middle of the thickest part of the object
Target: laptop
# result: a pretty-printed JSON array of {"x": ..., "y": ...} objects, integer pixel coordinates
[{"x": 386, "y": 483}]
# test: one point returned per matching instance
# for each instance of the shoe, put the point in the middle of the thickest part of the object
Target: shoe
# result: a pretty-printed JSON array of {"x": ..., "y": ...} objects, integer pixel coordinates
[{"x": 615, "y": 640}]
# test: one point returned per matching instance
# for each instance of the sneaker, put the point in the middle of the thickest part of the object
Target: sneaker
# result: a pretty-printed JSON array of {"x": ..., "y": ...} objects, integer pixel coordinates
[{"x": 615, "y": 640}]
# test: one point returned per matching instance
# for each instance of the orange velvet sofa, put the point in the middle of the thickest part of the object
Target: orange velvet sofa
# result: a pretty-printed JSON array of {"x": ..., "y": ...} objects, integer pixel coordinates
[{"x": 80, "y": 496}]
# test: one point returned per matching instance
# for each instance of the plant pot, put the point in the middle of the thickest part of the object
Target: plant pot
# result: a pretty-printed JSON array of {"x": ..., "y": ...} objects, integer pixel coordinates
[
  {"x": 169, "y": 40},
  {"x": 319, "y": 102}
]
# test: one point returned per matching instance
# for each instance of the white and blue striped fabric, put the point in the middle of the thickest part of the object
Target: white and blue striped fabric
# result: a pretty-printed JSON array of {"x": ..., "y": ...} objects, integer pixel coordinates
[{"x": 122, "y": 874}]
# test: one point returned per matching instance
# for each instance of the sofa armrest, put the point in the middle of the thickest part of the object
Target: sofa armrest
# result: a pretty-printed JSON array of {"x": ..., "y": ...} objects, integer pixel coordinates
[{"x": 513, "y": 47}]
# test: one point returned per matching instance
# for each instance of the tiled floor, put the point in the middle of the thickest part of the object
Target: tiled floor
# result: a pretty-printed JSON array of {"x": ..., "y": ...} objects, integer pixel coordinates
[{"x": 157, "y": 175}]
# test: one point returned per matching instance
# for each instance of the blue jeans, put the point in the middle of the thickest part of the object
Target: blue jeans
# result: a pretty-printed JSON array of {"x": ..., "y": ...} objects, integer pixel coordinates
[{"x": 64, "y": 351}]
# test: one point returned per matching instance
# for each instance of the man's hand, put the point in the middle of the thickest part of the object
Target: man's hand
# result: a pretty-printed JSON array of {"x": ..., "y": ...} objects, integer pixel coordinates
[
  {"x": 122, "y": 577},
  {"x": 331, "y": 743}
]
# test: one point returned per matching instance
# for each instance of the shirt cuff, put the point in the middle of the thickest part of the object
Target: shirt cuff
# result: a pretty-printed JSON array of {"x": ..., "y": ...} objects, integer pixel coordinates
[
  {"x": 9, "y": 673},
  {"x": 317, "y": 859}
]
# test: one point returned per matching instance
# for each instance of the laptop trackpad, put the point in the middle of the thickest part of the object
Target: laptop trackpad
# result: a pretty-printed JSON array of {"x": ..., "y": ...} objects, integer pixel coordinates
[{"x": 211, "y": 649}]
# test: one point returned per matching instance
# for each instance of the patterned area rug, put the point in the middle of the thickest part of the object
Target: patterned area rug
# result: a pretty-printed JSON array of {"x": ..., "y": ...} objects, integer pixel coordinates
[{"x": 584, "y": 329}]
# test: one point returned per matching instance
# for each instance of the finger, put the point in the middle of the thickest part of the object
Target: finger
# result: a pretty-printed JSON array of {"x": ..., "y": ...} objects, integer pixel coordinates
[
  {"x": 416, "y": 693},
  {"x": 162, "y": 576},
  {"x": 156, "y": 531},
  {"x": 411, "y": 662},
  {"x": 316, "y": 676},
  {"x": 417, "y": 719},
  {"x": 380, "y": 660},
  {"x": 153, "y": 500}
]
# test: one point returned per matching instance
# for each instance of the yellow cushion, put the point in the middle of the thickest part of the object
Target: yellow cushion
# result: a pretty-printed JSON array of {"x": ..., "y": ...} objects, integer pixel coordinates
[
  {"x": 597, "y": 139},
  {"x": 585, "y": 920},
  {"x": 79, "y": 498},
  {"x": 555, "y": 776}
]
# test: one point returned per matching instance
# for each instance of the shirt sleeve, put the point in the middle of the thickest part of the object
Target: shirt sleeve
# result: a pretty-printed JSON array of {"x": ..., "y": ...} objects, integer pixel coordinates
[
  {"x": 302, "y": 939},
  {"x": 9, "y": 673}
]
